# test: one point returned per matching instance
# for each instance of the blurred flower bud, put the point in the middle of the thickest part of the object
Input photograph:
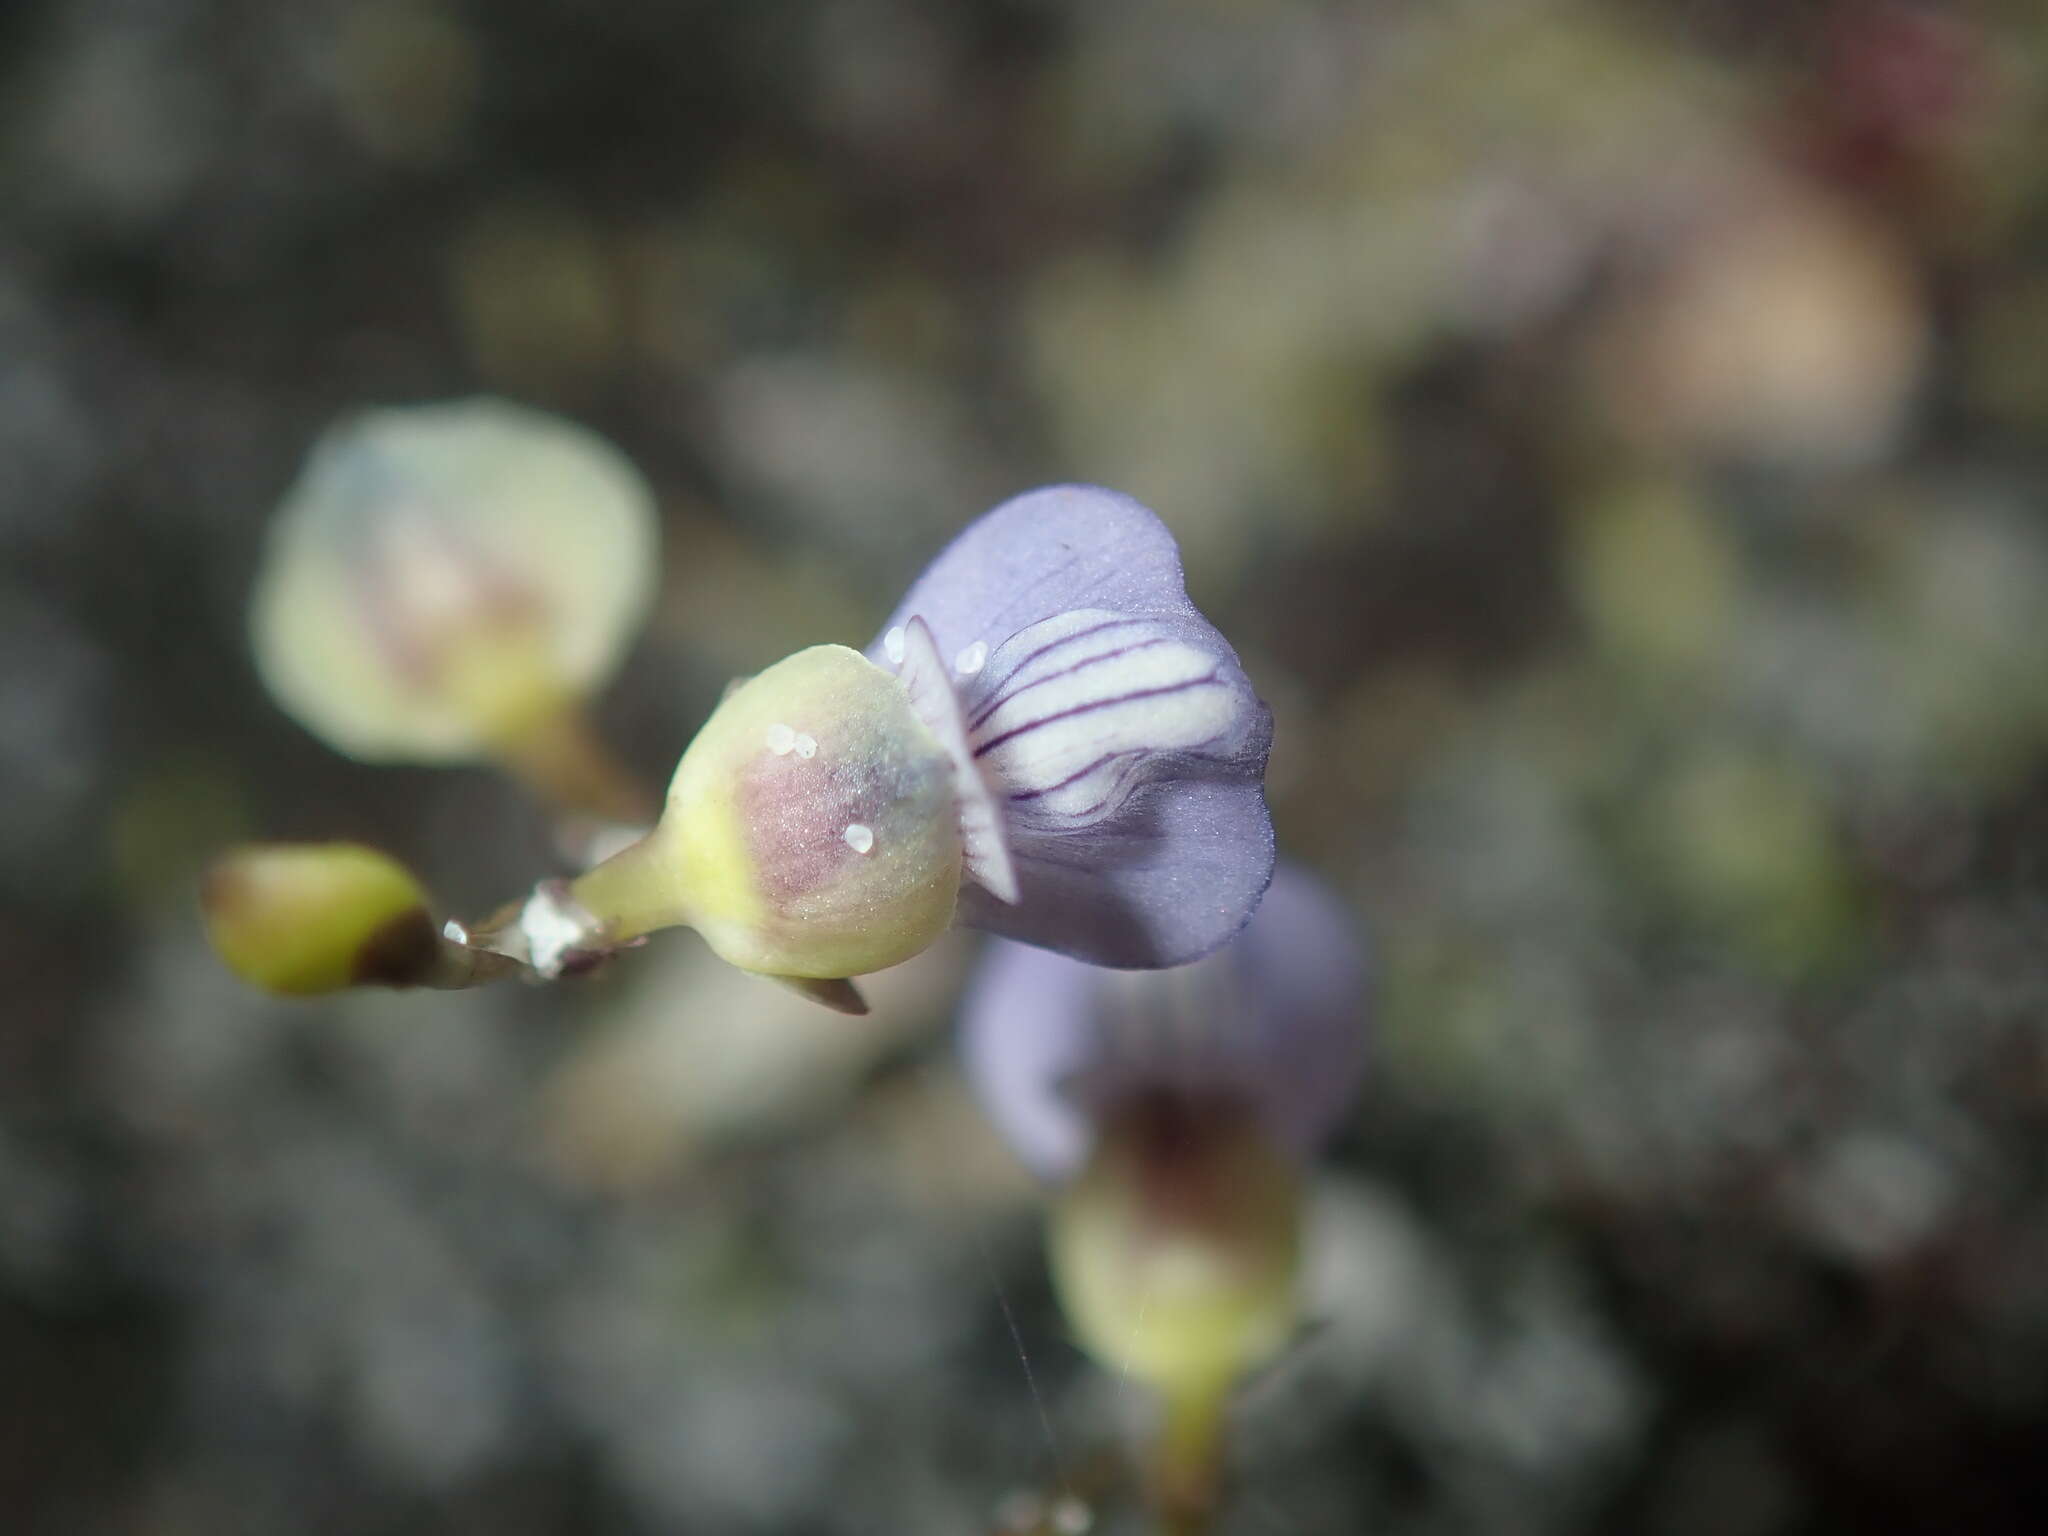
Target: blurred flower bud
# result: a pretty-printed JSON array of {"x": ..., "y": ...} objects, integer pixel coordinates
[
  {"x": 306, "y": 918},
  {"x": 1176, "y": 1249},
  {"x": 444, "y": 580}
]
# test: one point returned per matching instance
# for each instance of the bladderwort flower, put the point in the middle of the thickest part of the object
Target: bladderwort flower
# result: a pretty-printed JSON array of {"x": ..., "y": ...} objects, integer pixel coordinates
[
  {"x": 1047, "y": 740},
  {"x": 1177, "y": 1111}
]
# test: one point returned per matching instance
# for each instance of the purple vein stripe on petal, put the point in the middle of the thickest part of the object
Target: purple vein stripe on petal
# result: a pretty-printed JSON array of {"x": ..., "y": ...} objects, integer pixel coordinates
[
  {"x": 982, "y": 715},
  {"x": 983, "y": 748},
  {"x": 1011, "y": 672},
  {"x": 1073, "y": 778}
]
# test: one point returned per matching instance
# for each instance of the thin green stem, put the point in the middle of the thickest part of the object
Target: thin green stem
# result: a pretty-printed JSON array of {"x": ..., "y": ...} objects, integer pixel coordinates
[
  {"x": 1187, "y": 1469},
  {"x": 563, "y": 761},
  {"x": 635, "y": 891}
]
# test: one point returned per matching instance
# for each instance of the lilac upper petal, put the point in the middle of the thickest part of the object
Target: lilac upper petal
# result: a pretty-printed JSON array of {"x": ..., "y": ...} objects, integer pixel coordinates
[
  {"x": 1040, "y": 554},
  {"x": 1277, "y": 1017},
  {"x": 1115, "y": 722}
]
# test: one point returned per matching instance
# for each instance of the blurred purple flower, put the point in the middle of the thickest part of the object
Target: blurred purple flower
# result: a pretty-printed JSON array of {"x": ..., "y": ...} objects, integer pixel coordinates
[
  {"x": 1274, "y": 1021},
  {"x": 1111, "y": 752}
]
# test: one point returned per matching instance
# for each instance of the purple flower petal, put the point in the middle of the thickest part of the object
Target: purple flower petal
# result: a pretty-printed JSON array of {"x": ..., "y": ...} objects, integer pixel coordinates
[
  {"x": 1028, "y": 1026},
  {"x": 1116, "y": 724},
  {"x": 1277, "y": 1017}
]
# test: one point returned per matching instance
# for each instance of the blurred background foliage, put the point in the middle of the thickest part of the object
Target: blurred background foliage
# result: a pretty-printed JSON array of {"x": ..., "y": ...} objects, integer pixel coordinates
[{"x": 1612, "y": 430}]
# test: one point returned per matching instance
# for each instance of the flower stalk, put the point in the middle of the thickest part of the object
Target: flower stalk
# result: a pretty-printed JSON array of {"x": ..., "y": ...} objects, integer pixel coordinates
[
  {"x": 1187, "y": 1467},
  {"x": 565, "y": 764}
]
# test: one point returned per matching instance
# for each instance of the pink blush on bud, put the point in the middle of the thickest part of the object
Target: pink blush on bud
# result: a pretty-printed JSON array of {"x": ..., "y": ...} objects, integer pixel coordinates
[{"x": 812, "y": 818}]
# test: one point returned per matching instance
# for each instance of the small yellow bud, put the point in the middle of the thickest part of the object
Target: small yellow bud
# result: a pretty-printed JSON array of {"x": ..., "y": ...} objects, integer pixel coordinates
[
  {"x": 444, "y": 580},
  {"x": 306, "y": 918},
  {"x": 1175, "y": 1251},
  {"x": 812, "y": 829}
]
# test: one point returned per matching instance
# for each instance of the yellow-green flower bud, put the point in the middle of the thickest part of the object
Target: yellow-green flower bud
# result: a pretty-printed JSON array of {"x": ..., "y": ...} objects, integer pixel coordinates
[
  {"x": 306, "y": 918},
  {"x": 443, "y": 580},
  {"x": 812, "y": 828},
  {"x": 1175, "y": 1251}
]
